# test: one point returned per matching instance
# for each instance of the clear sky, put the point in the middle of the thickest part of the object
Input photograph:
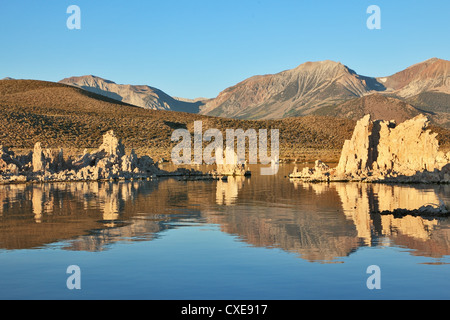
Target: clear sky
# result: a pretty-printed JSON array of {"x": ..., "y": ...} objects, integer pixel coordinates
[{"x": 198, "y": 48}]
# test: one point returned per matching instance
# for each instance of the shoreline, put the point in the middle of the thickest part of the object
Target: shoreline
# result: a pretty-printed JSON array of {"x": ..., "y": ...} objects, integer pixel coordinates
[{"x": 107, "y": 163}]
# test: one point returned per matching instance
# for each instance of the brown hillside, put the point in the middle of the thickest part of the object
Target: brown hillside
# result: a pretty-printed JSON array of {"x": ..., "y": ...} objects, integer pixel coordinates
[
  {"x": 378, "y": 106},
  {"x": 62, "y": 116}
]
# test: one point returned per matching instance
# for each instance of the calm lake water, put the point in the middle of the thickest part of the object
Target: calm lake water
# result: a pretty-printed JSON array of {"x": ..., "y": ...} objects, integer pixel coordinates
[{"x": 262, "y": 237}]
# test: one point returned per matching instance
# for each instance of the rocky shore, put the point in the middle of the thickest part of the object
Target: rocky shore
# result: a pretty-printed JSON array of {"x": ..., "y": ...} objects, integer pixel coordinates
[
  {"x": 383, "y": 152},
  {"x": 108, "y": 162}
]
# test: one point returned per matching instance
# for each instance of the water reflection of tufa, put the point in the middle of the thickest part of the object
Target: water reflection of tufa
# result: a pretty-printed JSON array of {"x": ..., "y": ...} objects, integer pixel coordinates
[
  {"x": 363, "y": 202},
  {"x": 90, "y": 215},
  {"x": 227, "y": 191},
  {"x": 320, "y": 222},
  {"x": 107, "y": 196}
]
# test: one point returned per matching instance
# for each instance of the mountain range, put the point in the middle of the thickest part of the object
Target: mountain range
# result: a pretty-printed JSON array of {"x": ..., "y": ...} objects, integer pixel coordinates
[
  {"x": 313, "y": 88},
  {"x": 326, "y": 87},
  {"x": 64, "y": 116},
  {"x": 60, "y": 115}
]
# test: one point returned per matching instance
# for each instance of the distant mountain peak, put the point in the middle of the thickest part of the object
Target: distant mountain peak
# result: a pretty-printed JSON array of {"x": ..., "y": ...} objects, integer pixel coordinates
[
  {"x": 323, "y": 64},
  {"x": 293, "y": 92},
  {"x": 435, "y": 59},
  {"x": 139, "y": 95},
  {"x": 90, "y": 77},
  {"x": 430, "y": 75}
]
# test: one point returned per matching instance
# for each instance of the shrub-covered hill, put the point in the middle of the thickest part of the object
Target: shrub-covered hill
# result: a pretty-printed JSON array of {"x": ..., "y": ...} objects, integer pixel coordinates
[{"x": 62, "y": 116}]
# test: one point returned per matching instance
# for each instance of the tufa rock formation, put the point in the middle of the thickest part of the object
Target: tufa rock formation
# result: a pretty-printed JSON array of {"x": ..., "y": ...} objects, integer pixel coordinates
[
  {"x": 381, "y": 151},
  {"x": 9, "y": 164},
  {"x": 108, "y": 162},
  {"x": 231, "y": 165}
]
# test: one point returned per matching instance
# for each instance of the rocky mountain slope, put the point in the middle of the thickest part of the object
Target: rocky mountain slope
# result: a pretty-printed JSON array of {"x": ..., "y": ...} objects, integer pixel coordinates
[
  {"x": 432, "y": 75},
  {"x": 294, "y": 92},
  {"x": 139, "y": 95},
  {"x": 317, "y": 87}
]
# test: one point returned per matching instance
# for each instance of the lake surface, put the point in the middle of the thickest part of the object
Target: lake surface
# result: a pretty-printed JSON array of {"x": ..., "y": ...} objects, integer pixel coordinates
[{"x": 261, "y": 237}]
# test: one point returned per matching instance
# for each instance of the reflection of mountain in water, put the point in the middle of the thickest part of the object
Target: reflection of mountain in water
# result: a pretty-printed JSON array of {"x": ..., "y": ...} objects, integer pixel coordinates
[{"x": 319, "y": 222}]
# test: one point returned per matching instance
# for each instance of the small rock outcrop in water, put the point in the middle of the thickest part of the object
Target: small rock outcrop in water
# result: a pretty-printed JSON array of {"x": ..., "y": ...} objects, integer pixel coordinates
[
  {"x": 423, "y": 211},
  {"x": 381, "y": 151},
  {"x": 231, "y": 166},
  {"x": 108, "y": 162}
]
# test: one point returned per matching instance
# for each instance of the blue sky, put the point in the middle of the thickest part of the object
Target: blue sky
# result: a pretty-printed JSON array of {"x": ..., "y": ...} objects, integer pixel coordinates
[{"x": 198, "y": 48}]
